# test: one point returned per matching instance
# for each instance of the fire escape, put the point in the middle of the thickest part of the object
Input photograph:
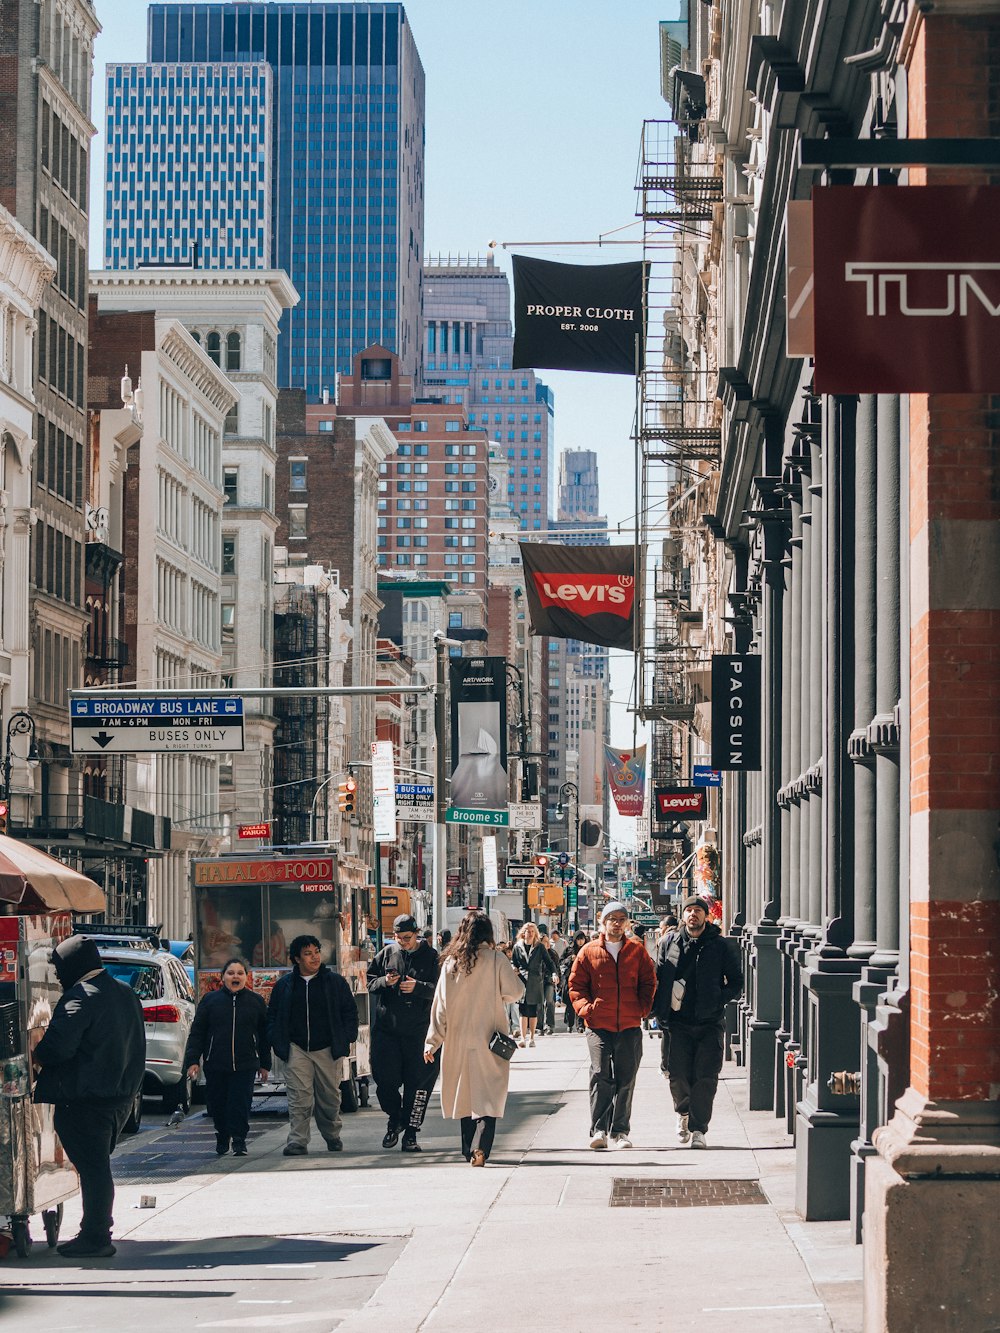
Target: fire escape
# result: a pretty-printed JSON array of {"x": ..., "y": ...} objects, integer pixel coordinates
[
  {"x": 679, "y": 418},
  {"x": 301, "y": 734}
]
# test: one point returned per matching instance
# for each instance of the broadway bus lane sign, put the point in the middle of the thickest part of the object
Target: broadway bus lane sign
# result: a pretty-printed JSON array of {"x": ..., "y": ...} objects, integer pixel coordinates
[{"x": 133, "y": 724}]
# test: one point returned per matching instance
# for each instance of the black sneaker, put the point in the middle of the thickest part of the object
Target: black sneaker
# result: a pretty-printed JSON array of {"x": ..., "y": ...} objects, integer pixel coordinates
[
  {"x": 410, "y": 1143},
  {"x": 294, "y": 1150},
  {"x": 239, "y": 1147},
  {"x": 391, "y": 1136},
  {"x": 221, "y": 1144},
  {"x": 81, "y": 1248},
  {"x": 335, "y": 1145}
]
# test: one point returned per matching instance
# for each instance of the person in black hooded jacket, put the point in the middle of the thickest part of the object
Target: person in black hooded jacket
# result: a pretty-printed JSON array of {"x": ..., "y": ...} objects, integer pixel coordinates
[
  {"x": 401, "y": 980},
  {"x": 90, "y": 1064},
  {"x": 230, "y": 1032}
]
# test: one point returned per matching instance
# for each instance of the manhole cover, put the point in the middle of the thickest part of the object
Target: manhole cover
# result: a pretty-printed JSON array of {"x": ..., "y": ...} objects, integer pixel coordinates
[{"x": 642, "y": 1192}]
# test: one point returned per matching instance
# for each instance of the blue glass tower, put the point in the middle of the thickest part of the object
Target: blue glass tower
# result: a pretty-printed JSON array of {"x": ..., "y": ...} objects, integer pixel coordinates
[
  {"x": 188, "y": 166},
  {"x": 348, "y": 166}
]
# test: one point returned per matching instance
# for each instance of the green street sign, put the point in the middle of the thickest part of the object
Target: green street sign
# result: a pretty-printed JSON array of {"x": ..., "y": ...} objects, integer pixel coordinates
[
  {"x": 571, "y": 896},
  {"x": 645, "y": 918},
  {"x": 456, "y": 814},
  {"x": 627, "y": 888}
]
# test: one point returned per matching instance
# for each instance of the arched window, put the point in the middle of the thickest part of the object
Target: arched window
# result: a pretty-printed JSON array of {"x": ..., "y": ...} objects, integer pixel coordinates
[
  {"x": 213, "y": 346},
  {"x": 196, "y": 336},
  {"x": 233, "y": 351}
]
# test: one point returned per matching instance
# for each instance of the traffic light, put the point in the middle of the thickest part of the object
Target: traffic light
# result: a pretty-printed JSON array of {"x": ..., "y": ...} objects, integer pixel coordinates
[
  {"x": 4, "y": 812},
  {"x": 542, "y": 860},
  {"x": 348, "y": 791}
]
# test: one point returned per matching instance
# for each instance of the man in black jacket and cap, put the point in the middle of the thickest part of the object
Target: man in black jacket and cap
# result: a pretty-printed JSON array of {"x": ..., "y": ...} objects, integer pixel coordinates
[
  {"x": 90, "y": 1063},
  {"x": 402, "y": 977},
  {"x": 698, "y": 972}
]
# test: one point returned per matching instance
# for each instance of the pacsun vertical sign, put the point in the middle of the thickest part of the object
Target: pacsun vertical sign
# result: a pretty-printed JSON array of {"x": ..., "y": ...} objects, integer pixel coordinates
[{"x": 736, "y": 713}]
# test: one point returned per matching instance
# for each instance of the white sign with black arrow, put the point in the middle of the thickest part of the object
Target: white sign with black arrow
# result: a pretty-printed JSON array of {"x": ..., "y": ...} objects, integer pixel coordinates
[{"x": 131, "y": 723}]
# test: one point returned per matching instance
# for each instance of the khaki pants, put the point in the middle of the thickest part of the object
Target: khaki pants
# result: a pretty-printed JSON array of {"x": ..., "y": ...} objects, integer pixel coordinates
[{"x": 312, "y": 1079}]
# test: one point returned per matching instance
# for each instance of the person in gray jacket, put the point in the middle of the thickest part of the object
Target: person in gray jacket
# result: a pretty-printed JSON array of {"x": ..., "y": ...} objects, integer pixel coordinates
[{"x": 91, "y": 1063}]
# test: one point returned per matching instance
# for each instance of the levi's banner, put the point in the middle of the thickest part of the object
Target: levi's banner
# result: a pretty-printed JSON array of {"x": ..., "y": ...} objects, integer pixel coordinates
[
  {"x": 626, "y": 771},
  {"x": 680, "y": 802},
  {"x": 578, "y": 316},
  {"x": 736, "y": 713},
  {"x": 907, "y": 289},
  {"x": 581, "y": 592}
]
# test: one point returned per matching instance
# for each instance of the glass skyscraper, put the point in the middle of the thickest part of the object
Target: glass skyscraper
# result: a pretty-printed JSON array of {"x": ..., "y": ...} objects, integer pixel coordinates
[
  {"x": 348, "y": 166},
  {"x": 188, "y": 173}
]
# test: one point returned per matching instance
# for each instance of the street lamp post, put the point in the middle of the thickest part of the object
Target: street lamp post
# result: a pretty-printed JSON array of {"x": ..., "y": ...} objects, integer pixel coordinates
[
  {"x": 570, "y": 789},
  {"x": 18, "y": 724}
]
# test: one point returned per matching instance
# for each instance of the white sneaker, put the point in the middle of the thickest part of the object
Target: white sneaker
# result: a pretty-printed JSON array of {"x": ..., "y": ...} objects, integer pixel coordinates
[
  {"x": 698, "y": 1139},
  {"x": 682, "y": 1129},
  {"x": 599, "y": 1140},
  {"x": 621, "y": 1141},
  {"x": 531, "y": 1041}
]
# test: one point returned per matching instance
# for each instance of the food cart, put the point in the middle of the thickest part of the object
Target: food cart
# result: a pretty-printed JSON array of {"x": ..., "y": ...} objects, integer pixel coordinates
[
  {"x": 38, "y": 895},
  {"x": 252, "y": 907}
]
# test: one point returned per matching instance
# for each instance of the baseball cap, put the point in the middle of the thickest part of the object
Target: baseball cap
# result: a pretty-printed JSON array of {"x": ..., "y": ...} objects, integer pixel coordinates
[{"x": 404, "y": 923}]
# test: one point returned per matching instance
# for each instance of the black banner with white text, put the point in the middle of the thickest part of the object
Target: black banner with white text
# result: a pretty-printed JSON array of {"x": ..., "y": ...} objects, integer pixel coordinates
[
  {"x": 578, "y": 316},
  {"x": 736, "y": 713}
]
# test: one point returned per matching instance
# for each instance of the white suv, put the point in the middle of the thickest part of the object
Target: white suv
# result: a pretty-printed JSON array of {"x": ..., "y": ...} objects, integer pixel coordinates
[{"x": 168, "y": 1005}]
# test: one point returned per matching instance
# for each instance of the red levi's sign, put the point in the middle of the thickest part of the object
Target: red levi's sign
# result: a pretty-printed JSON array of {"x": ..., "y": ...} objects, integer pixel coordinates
[
  {"x": 680, "y": 802},
  {"x": 907, "y": 289},
  {"x": 581, "y": 592}
]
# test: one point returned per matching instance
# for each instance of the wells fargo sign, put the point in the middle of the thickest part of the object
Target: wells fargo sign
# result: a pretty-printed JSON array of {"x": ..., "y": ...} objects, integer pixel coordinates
[
  {"x": 907, "y": 289},
  {"x": 275, "y": 870}
]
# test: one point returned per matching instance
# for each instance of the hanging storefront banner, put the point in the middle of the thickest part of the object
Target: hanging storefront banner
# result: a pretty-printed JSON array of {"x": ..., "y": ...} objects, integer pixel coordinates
[
  {"x": 626, "y": 770},
  {"x": 479, "y": 734},
  {"x": 581, "y": 592},
  {"x": 907, "y": 289},
  {"x": 578, "y": 316},
  {"x": 680, "y": 803},
  {"x": 736, "y": 713},
  {"x": 383, "y": 791}
]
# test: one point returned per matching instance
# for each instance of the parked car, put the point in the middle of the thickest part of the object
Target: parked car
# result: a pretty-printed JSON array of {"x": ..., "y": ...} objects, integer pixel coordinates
[
  {"x": 168, "y": 1005},
  {"x": 183, "y": 951}
]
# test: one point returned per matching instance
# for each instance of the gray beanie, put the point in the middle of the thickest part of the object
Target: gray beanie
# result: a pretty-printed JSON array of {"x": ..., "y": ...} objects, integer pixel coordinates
[{"x": 612, "y": 907}]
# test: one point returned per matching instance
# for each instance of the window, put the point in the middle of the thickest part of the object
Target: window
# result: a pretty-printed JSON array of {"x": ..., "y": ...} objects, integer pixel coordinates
[
  {"x": 213, "y": 346},
  {"x": 450, "y": 487},
  {"x": 468, "y": 469},
  {"x": 402, "y": 504},
  {"x": 420, "y": 426},
  {"x": 326, "y": 424},
  {"x": 229, "y": 555},
  {"x": 230, "y": 485},
  {"x": 452, "y": 426},
  {"x": 468, "y": 504},
  {"x": 455, "y": 619},
  {"x": 451, "y": 469},
  {"x": 297, "y": 474},
  {"x": 296, "y": 522},
  {"x": 468, "y": 486},
  {"x": 228, "y": 622},
  {"x": 468, "y": 577},
  {"x": 234, "y": 351},
  {"x": 468, "y": 451},
  {"x": 404, "y": 450},
  {"x": 231, "y": 426}
]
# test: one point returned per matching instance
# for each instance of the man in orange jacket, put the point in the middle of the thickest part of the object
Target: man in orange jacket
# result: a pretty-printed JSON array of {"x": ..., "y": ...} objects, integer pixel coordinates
[{"x": 611, "y": 987}]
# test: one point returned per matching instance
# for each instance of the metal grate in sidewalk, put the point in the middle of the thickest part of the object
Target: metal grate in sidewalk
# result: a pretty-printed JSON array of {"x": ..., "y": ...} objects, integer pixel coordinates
[{"x": 646, "y": 1192}]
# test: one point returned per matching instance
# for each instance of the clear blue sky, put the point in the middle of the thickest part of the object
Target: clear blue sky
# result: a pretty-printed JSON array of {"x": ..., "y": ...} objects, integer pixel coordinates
[{"x": 534, "y": 118}]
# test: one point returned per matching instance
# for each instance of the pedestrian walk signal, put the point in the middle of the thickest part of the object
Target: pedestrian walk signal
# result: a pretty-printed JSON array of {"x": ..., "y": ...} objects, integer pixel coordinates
[
  {"x": 348, "y": 791},
  {"x": 4, "y": 812}
]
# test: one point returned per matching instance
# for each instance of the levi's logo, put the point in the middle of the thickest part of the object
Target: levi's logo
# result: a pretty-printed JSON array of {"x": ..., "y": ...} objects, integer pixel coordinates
[{"x": 585, "y": 594}]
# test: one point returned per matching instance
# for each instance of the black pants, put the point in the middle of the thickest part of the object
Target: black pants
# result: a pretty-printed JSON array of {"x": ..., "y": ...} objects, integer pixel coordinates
[
  {"x": 614, "y": 1063},
  {"x": 228, "y": 1095},
  {"x": 89, "y": 1134},
  {"x": 478, "y": 1132},
  {"x": 694, "y": 1062},
  {"x": 403, "y": 1080}
]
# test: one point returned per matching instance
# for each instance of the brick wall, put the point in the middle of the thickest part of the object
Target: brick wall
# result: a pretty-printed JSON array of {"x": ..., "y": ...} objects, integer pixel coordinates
[
  {"x": 954, "y": 91},
  {"x": 115, "y": 340}
]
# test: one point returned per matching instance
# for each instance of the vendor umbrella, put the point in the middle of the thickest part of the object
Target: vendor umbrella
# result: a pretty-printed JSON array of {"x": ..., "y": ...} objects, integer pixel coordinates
[{"x": 33, "y": 881}]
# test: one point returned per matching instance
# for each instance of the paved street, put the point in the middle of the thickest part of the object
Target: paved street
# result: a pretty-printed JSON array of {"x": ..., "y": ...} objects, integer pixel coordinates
[{"x": 374, "y": 1240}]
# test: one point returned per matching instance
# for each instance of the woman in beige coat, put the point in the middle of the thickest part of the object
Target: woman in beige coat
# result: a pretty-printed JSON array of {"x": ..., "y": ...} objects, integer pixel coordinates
[{"x": 475, "y": 983}]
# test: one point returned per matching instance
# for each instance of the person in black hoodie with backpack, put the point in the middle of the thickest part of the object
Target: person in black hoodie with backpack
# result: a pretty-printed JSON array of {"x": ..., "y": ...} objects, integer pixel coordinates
[
  {"x": 230, "y": 1032},
  {"x": 698, "y": 972},
  {"x": 402, "y": 978}
]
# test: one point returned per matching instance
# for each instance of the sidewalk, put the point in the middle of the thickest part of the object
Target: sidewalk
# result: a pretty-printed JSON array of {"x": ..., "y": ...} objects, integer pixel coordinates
[{"x": 532, "y": 1239}]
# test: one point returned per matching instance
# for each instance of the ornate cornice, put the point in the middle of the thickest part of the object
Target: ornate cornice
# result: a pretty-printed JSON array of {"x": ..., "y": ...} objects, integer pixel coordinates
[
  {"x": 177, "y": 345},
  {"x": 24, "y": 264}
]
